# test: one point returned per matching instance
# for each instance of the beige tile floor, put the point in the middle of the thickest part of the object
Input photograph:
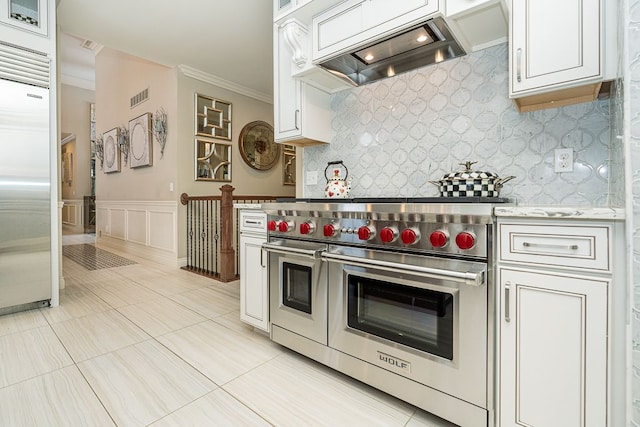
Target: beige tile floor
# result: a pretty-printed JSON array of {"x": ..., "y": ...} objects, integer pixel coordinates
[{"x": 148, "y": 344}]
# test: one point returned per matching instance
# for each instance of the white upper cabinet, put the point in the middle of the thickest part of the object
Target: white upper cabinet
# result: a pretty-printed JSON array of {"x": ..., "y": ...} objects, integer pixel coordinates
[
  {"x": 283, "y": 6},
  {"x": 478, "y": 24},
  {"x": 301, "y": 112},
  {"x": 557, "y": 51},
  {"x": 25, "y": 23},
  {"x": 555, "y": 44},
  {"x": 303, "y": 10},
  {"x": 354, "y": 22}
]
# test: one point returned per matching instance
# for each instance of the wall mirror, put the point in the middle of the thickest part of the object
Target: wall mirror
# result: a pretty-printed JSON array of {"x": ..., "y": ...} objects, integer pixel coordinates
[
  {"x": 213, "y": 160},
  {"x": 213, "y": 117}
]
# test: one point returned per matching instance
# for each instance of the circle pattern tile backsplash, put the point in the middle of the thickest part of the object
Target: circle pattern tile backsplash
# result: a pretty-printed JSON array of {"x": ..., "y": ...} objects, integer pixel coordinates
[{"x": 397, "y": 134}]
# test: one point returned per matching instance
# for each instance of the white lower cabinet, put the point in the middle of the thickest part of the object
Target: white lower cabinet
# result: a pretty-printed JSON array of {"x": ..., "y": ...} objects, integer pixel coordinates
[
  {"x": 553, "y": 350},
  {"x": 556, "y": 285},
  {"x": 254, "y": 280},
  {"x": 254, "y": 290}
]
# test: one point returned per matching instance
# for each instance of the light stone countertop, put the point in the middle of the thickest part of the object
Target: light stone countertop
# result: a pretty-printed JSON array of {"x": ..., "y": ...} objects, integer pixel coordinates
[
  {"x": 247, "y": 205},
  {"x": 553, "y": 212},
  {"x": 559, "y": 212}
]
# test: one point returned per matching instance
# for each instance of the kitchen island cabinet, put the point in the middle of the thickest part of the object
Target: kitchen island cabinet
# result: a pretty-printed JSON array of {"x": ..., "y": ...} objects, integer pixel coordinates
[{"x": 561, "y": 289}]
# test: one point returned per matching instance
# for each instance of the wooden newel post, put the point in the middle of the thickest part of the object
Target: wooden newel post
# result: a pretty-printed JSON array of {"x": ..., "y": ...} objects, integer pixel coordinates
[{"x": 227, "y": 254}]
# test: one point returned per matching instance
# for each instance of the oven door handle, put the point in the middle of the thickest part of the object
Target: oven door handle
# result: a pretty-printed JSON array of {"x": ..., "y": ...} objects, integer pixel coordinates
[
  {"x": 474, "y": 278},
  {"x": 288, "y": 250}
]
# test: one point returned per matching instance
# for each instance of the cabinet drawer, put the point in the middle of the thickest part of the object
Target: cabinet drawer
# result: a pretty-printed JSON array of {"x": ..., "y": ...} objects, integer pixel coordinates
[
  {"x": 583, "y": 247},
  {"x": 253, "y": 221},
  {"x": 355, "y": 22}
]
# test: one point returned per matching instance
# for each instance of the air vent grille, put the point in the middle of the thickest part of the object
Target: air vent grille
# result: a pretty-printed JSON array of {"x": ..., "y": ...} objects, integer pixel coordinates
[
  {"x": 24, "y": 66},
  {"x": 89, "y": 44},
  {"x": 139, "y": 98}
]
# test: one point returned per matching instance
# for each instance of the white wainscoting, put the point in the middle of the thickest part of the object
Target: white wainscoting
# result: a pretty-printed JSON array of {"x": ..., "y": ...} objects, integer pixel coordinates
[
  {"x": 72, "y": 212},
  {"x": 143, "y": 228},
  {"x": 72, "y": 216}
]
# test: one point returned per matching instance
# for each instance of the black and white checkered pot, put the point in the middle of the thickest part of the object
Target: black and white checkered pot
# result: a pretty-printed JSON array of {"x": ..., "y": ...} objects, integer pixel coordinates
[{"x": 469, "y": 183}]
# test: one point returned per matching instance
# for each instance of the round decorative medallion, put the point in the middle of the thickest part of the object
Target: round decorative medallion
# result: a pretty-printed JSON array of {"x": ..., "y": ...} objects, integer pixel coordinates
[{"x": 257, "y": 146}]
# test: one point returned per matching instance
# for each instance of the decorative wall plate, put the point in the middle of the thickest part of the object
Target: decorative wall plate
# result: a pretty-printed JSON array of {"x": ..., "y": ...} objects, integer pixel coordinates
[
  {"x": 140, "y": 141},
  {"x": 111, "y": 151},
  {"x": 257, "y": 147}
]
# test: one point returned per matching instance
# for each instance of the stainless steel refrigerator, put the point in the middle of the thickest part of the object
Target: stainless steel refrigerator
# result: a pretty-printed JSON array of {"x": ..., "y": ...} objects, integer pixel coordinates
[{"x": 25, "y": 181}]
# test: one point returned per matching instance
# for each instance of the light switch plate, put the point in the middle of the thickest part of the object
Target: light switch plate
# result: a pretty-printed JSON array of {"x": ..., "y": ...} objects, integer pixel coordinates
[{"x": 312, "y": 178}]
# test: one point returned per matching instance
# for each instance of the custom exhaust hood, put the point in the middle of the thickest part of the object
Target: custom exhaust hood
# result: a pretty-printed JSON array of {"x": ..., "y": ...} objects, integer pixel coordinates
[{"x": 428, "y": 43}]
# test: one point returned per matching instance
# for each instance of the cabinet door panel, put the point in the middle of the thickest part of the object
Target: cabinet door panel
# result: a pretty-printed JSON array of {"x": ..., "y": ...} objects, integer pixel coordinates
[
  {"x": 563, "y": 357},
  {"x": 554, "y": 43},
  {"x": 552, "y": 51},
  {"x": 359, "y": 22},
  {"x": 553, "y": 350},
  {"x": 254, "y": 288},
  {"x": 26, "y": 15},
  {"x": 380, "y": 11},
  {"x": 287, "y": 90},
  {"x": 340, "y": 27}
]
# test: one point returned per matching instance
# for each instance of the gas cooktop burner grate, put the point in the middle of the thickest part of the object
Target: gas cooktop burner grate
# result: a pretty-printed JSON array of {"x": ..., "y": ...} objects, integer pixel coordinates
[{"x": 399, "y": 200}]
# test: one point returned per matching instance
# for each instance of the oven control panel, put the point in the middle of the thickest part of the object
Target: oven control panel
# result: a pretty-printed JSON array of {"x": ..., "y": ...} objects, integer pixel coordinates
[{"x": 435, "y": 237}]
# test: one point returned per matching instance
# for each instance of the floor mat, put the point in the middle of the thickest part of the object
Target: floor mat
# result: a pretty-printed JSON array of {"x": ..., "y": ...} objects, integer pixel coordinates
[{"x": 93, "y": 258}]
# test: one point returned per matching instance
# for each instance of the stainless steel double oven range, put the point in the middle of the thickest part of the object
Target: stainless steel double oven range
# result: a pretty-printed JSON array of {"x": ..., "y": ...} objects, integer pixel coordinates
[{"x": 397, "y": 293}]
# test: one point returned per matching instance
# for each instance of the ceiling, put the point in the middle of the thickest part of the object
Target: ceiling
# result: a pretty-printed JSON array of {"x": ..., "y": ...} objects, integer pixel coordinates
[{"x": 229, "y": 39}]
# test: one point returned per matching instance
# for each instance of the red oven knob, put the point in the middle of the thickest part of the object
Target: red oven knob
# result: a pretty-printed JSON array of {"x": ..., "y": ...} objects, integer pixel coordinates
[
  {"x": 439, "y": 239},
  {"x": 307, "y": 227},
  {"x": 410, "y": 236},
  {"x": 285, "y": 226},
  {"x": 465, "y": 240},
  {"x": 366, "y": 232},
  {"x": 272, "y": 225},
  {"x": 329, "y": 230},
  {"x": 388, "y": 234}
]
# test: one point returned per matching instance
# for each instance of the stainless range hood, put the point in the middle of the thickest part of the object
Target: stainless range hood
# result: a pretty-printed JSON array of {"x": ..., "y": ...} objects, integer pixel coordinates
[{"x": 428, "y": 43}]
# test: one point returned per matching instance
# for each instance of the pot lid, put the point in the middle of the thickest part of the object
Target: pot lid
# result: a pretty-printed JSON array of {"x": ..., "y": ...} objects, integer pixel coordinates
[{"x": 468, "y": 173}]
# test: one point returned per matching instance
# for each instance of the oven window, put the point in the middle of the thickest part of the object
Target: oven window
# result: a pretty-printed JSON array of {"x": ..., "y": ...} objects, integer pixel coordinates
[
  {"x": 296, "y": 287},
  {"x": 419, "y": 318}
]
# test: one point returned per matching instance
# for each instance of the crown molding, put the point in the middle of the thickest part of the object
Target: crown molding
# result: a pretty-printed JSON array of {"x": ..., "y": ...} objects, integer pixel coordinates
[
  {"x": 82, "y": 83},
  {"x": 225, "y": 84}
]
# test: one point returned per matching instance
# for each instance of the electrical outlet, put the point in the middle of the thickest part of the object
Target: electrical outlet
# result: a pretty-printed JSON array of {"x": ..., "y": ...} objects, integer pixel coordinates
[{"x": 563, "y": 160}]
